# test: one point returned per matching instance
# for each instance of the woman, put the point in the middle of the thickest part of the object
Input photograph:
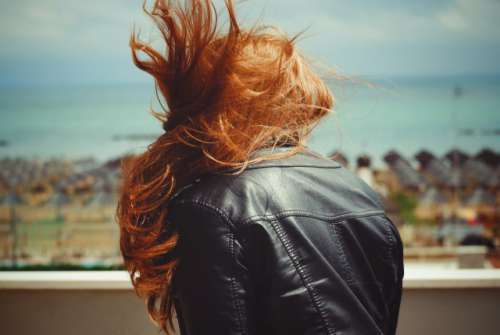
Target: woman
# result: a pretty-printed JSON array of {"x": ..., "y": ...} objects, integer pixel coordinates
[{"x": 228, "y": 221}]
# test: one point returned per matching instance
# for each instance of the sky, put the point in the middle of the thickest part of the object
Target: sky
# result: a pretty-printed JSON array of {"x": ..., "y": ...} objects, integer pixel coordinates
[{"x": 74, "y": 41}]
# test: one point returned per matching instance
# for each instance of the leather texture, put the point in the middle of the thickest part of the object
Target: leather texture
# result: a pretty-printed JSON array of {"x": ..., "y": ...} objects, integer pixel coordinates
[{"x": 291, "y": 246}]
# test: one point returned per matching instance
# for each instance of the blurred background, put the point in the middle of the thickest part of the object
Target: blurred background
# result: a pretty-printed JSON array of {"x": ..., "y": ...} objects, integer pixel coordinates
[{"x": 418, "y": 118}]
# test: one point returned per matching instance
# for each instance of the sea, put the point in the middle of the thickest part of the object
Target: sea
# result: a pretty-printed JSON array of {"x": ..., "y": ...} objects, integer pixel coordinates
[{"x": 371, "y": 116}]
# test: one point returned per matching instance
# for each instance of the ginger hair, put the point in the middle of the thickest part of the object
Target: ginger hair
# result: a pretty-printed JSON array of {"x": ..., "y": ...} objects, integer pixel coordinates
[{"x": 227, "y": 94}]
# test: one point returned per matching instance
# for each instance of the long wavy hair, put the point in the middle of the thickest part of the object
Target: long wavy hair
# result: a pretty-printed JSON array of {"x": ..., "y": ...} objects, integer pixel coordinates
[{"x": 225, "y": 95}]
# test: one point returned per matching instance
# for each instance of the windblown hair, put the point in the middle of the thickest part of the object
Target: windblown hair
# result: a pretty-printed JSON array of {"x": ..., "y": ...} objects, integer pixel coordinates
[{"x": 227, "y": 95}]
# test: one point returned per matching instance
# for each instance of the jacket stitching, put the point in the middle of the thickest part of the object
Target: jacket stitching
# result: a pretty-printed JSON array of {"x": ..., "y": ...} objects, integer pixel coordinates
[
  {"x": 331, "y": 218},
  {"x": 233, "y": 287},
  {"x": 303, "y": 275},
  {"x": 391, "y": 241},
  {"x": 294, "y": 166},
  {"x": 390, "y": 248},
  {"x": 345, "y": 264},
  {"x": 273, "y": 218},
  {"x": 227, "y": 220},
  {"x": 346, "y": 267}
]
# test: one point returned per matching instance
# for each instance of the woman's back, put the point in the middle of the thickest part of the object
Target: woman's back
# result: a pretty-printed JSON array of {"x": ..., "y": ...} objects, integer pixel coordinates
[
  {"x": 291, "y": 246},
  {"x": 288, "y": 242}
]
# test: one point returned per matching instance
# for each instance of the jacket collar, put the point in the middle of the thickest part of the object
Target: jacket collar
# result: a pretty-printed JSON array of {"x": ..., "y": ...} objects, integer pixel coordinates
[{"x": 305, "y": 158}]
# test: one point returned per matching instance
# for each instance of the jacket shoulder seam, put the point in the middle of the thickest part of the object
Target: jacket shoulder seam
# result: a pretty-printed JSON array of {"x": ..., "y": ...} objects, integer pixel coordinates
[{"x": 302, "y": 213}]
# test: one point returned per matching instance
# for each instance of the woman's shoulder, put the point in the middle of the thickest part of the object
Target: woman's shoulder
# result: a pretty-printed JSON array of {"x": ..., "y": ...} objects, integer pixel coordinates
[{"x": 304, "y": 183}]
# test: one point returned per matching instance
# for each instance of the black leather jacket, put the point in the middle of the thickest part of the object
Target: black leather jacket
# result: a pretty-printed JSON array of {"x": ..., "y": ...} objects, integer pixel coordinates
[{"x": 291, "y": 246}]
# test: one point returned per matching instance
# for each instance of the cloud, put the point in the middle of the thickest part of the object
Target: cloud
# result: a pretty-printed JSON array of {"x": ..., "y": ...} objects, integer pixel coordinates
[
  {"x": 477, "y": 18},
  {"x": 65, "y": 28},
  {"x": 371, "y": 36}
]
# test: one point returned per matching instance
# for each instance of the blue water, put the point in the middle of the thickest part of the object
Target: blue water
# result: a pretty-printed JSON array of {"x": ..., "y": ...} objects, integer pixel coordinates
[{"x": 406, "y": 114}]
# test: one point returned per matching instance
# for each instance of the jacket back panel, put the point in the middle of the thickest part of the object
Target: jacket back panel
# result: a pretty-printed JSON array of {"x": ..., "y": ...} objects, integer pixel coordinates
[{"x": 311, "y": 243}]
